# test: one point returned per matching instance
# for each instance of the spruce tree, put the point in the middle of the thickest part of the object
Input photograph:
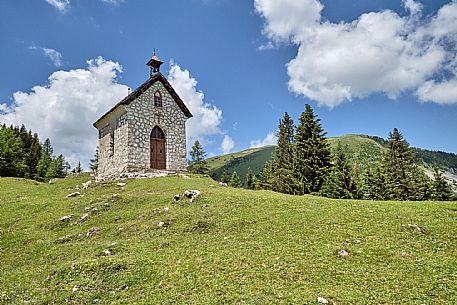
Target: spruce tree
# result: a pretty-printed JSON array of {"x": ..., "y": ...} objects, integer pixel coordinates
[
  {"x": 440, "y": 188},
  {"x": 339, "y": 182},
  {"x": 250, "y": 180},
  {"x": 225, "y": 176},
  {"x": 422, "y": 185},
  {"x": 312, "y": 153},
  {"x": 284, "y": 179},
  {"x": 235, "y": 180},
  {"x": 78, "y": 168},
  {"x": 399, "y": 167},
  {"x": 197, "y": 163},
  {"x": 45, "y": 159},
  {"x": 267, "y": 176},
  {"x": 94, "y": 162},
  {"x": 373, "y": 183}
]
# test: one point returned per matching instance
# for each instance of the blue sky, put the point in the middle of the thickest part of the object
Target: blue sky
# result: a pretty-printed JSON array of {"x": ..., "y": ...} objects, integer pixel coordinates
[{"x": 364, "y": 66}]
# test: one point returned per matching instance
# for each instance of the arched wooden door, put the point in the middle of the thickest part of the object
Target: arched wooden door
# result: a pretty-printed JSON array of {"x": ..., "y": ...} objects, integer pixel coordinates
[{"x": 158, "y": 155}]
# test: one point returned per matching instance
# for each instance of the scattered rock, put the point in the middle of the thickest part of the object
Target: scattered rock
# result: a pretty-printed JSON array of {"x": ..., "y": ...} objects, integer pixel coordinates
[
  {"x": 223, "y": 184},
  {"x": 192, "y": 194},
  {"x": 65, "y": 238},
  {"x": 121, "y": 184},
  {"x": 414, "y": 227},
  {"x": 343, "y": 253},
  {"x": 166, "y": 209},
  {"x": 84, "y": 218},
  {"x": 87, "y": 185},
  {"x": 107, "y": 252},
  {"x": 66, "y": 217},
  {"x": 53, "y": 180},
  {"x": 92, "y": 231},
  {"x": 185, "y": 176},
  {"x": 161, "y": 224},
  {"x": 177, "y": 197},
  {"x": 211, "y": 185},
  {"x": 73, "y": 194},
  {"x": 322, "y": 300},
  {"x": 76, "y": 288}
]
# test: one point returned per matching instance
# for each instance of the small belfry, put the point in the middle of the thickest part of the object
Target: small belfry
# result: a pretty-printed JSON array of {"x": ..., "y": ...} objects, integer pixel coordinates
[
  {"x": 145, "y": 131},
  {"x": 154, "y": 64}
]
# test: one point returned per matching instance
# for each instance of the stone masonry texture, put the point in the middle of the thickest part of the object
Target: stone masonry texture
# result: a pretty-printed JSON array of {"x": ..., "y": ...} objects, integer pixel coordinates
[{"x": 124, "y": 138}]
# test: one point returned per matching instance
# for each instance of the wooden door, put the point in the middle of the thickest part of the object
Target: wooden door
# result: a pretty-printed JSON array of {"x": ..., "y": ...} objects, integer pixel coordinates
[{"x": 158, "y": 153}]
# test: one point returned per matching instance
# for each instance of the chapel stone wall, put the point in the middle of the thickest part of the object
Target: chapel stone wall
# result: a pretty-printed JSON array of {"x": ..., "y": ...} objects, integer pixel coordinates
[{"x": 142, "y": 117}]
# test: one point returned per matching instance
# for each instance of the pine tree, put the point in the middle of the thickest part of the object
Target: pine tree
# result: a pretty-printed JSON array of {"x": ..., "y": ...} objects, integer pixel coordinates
[
  {"x": 440, "y": 188},
  {"x": 225, "y": 176},
  {"x": 197, "y": 163},
  {"x": 312, "y": 153},
  {"x": 56, "y": 168},
  {"x": 45, "y": 160},
  {"x": 267, "y": 176},
  {"x": 12, "y": 163},
  {"x": 399, "y": 167},
  {"x": 374, "y": 183},
  {"x": 250, "y": 180},
  {"x": 284, "y": 179},
  {"x": 94, "y": 162},
  {"x": 339, "y": 182},
  {"x": 78, "y": 168},
  {"x": 235, "y": 180}
]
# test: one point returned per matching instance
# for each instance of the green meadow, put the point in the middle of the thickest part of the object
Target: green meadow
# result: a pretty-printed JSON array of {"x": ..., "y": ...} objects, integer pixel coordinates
[{"x": 227, "y": 246}]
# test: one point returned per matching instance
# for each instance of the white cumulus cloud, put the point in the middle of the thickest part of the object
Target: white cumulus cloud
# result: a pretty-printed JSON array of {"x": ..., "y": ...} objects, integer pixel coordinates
[
  {"x": 206, "y": 118},
  {"x": 270, "y": 139},
  {"x": 65, "y": 109},
  {"x": 227, "y": 144},
  {"x": 54, "y": 55},
  {"x": 61, "y": 5},
  {"x": 378, "y": 52}
]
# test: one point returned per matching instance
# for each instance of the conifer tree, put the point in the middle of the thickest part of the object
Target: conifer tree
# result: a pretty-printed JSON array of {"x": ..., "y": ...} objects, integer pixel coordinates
[
  {"x": 56, "y": 168},
  {"x": 399, "y": 167},
  {"x": 250, "y": 180},
  {"x": 312, "y": 153},
  {"x": 267, "y": 176},
  {"x": 374, "y": 183},
  {"x": 441, "y": 189},
  {"x": 45, "y": 159},
  {"x": 94, "y": 162},
  {"x": 225, "y": 176},
  {"x": 78, "y": 168},
  {"x": 339, "y": 182},
  {"x": 235, "y": 180},
  {"x": 284, "y": 179},
  {"x": 197, "y": 163}
]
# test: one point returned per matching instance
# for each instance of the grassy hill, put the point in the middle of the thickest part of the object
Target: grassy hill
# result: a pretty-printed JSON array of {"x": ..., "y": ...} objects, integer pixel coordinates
[
  {"x": 228, "y": 246},
  {"x": 361, "y": 150}
]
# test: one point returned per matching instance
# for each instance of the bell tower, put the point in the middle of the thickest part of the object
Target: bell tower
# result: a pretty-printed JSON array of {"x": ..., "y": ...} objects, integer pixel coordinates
[{"x": 154, "y": 64}]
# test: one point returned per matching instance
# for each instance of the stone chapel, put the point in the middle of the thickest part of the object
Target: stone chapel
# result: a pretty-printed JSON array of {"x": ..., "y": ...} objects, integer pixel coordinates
[{"x": 146, "y": 131}]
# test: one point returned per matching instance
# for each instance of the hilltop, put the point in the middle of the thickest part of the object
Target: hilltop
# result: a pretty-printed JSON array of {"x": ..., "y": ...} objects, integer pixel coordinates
[
  {"x": 362, "y": 151},
  {"x": 228, "y": 246}
]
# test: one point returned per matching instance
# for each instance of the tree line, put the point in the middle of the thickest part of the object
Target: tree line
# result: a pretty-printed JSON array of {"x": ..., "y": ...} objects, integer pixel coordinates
[
  {"x": 303, "y": 163},
  {"x": 23, "y": 155}
]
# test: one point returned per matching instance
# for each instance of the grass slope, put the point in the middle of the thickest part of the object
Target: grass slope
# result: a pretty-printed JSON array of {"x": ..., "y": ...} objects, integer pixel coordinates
[
  {"x": 361, "y": 150},
  {"x": 228, "y": 246},
  {"x": 254, "y": 158}
]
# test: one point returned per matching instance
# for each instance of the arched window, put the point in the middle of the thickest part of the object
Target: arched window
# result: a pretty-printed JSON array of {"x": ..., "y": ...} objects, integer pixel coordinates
[
  {"x": 157, "y": 99},
  {"x": 157, "y": 133}
]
